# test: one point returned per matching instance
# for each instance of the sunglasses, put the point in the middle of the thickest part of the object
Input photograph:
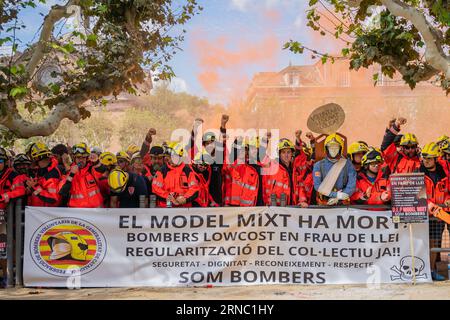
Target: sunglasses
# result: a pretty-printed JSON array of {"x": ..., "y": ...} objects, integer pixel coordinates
[
  {"x": 122, "y": 161},
  {"x": 410, "y": 147}
]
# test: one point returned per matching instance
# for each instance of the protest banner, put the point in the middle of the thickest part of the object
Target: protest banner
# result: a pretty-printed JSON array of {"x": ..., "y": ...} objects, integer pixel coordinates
[
  {"x": 409, "y": 198},
  {"x": 218, "y": 246}
]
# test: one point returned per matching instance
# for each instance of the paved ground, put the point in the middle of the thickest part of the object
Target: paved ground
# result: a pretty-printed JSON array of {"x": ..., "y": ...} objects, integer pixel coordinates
[{"x": 437, "y": 290}]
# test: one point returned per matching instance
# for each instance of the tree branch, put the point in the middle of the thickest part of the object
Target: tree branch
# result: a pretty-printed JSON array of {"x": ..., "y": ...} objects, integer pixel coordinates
[
  {"x": 56, "y": 13},
  {"x": 434, "y": 53},
  {"x": 25, "y": 129},
  {"x": 422, "y": 74}
]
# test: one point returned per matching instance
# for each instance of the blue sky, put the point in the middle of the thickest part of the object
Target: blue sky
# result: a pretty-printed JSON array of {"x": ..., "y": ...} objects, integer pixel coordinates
[{"x": 251, "y": 32}]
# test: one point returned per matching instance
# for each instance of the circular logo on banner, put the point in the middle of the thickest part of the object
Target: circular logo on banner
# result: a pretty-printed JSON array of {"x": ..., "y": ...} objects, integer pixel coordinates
[{"x": 64, "y": 245}]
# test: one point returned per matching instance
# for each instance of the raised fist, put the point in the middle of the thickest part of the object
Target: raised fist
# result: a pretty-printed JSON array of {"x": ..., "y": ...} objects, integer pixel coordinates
[
  {"x": 151, "y": 132},
  {"x": 310, "y": 136},
  {"x": 298, "y": 134},
  {"x": 225, "y": 118},
  {"x": 400, "y": 121}
]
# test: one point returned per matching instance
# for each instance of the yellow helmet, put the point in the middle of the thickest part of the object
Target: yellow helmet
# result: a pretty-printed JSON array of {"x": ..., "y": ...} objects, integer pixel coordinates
[
  {"x": 117, "y": 180},
  {"x": 431, "y": 150},
  {"x": 285, "y": 144},
  {"x": 123, "y": 155},
  {"x": 252, "y": 142},
  {"x": 334, "y": 139},
  {"x": 108, "y": 159},
  {"x": 81, "y": 149},
  {"x": 408, "y": 138},
  {"x": 175, "y": 148},
  {"x": 445, "y": 146},
  {"x": 39, "y": 150},
  {"x": 135, "y": 157},
  {"x": 307, "y": 150},
  {"x": 371, "y": 156},
  {"x": 132, "y": 149},
  {"x": 356, "y": 147},
  {"x": 442, "y": 139},
  {"x": 65, "y": 243}
]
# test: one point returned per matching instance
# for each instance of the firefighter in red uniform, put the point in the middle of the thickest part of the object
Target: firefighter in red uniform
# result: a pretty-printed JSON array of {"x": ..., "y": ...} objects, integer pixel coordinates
[
  {"x": 444, "y": 160},
  {"x": 175, "y": 184},
  {"x": 277, "y": 177},
  {"x": 372, "y": 183},
  {"x": 406, "y": 158},
  {"x": 43, "y": 185},
  {"x": 79, "y": 185},
  {"x": 11, "y": 182},
  {"x": 21, "y": 165},
  {"x": 437, "y": 186},
  {"x": 107, "y": 161},
  {"x": 201, "y": 167},
  {"x": 302, "y": 172},
  {"x": 355, "y": 152},
  {"x": 243, "y": 185}
]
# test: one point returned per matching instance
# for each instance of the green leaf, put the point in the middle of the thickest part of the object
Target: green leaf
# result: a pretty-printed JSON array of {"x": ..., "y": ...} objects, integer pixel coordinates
[
  {"x": 345, "y": 52},
  {"x": 5, "y": 40},
  {"x": 56, "y": 89},
  {"x": 324, "y": 59},
  {"x": 81, "y": 63},
  {"x": 14, "y": 70},
  {"x": 18, "y": 91},
  {"x": 405, "y": 35}
]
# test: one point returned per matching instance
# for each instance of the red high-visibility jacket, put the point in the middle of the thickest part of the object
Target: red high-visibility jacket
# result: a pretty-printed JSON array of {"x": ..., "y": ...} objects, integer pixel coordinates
[
  {"x": 380, "y": 185},
  {"x": 102, "y": 182},
  {"x": 437, "y": 193},
  {"x": 45, "y": 192},
  {"x": 302, "y": 179},
  {"x": 204, "y": 198},
  {"x": 277, "y": 180},
  {"x": 241, "y": 185},
  {"x": 179, "y": 180},
  {"x": 84, "y": 191},
  {"x": 11, "y": 186},
  {"x": 446, "y": 165},
  {"x": 399, "y": 162}
]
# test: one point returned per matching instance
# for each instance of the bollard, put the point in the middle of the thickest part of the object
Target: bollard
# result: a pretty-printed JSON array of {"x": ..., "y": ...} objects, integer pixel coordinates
[
  {"x": 10, "y": 246},
  {"x": 283, "y": 200},
  {"x": 152, "y": 201},
  {"x": 273, "y": 200},
  {"x": 19, "y": 211}
]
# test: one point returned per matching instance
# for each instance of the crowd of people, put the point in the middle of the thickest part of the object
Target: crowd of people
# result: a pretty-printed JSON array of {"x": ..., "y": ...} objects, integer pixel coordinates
[{"x": 245, "y": 175}]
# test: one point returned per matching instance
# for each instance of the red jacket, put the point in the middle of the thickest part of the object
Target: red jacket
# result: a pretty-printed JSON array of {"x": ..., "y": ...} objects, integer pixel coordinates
[
  {"x": 179, "y": 180},
  {"x": 11, "y": 186},
  {"x": 446, "y": 165},
  {"x": 440, "y": 192},
  {"x": 380, "y": 185},
  {"x": 303, "y": 180},
  {"x": 84, "y": 191},
  {"x": 204, "y": 198},
  {"x": 45, "y": 192},
  {"x": 277, "y": 180},
  {"x": 399, "y": 162},
  {"x": 241, "y": 185},
  {"x": 102, "y": 182}
]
